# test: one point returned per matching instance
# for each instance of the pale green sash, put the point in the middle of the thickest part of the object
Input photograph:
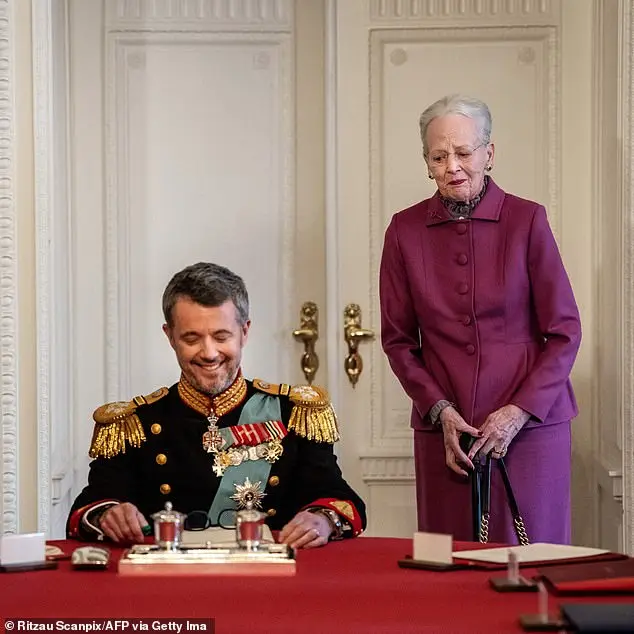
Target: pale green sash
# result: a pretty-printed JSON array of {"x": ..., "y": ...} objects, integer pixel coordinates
[{"x": 258, "y": 409}]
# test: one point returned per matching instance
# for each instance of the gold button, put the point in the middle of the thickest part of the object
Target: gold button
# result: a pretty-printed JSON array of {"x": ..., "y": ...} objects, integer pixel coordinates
[
  {"x": 166, "y": 489},
  {"x": 274, "y": 481},
  {"x": 161, "y": 458},
  {"x": 271, "y": 512},
  {"x": 156, "y": 428}
]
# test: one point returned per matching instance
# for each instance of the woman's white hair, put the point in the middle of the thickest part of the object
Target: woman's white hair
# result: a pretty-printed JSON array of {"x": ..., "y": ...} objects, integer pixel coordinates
[{"x": 457, "y": 104}]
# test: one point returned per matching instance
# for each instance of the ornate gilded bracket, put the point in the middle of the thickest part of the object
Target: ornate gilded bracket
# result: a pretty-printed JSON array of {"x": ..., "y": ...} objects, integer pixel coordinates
[
  {"x": 354, "y": 335},
  {"x": 308, "y": 333}
]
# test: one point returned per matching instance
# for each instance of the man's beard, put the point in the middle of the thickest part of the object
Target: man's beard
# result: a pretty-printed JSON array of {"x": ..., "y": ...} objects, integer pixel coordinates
[{"x": 218, "y": 387}]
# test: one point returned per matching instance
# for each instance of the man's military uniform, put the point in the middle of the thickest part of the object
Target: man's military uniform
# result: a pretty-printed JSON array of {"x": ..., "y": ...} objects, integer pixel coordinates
[{"x": 212, "y": 454}]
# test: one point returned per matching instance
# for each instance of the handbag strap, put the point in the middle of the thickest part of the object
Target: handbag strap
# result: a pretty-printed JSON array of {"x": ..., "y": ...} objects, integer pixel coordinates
[
  {"x": 485, "y": 500},
  {"x": 476, "y": 499},
  {"x": 482, "y": 485},
  {"x": 518, "y": 522}
]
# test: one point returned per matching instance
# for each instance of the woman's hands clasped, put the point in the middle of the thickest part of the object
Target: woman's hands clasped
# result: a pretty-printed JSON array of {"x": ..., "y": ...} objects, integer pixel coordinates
[
  {"x": 493, "y": 437},
  {"x": 498, "y": 431}
]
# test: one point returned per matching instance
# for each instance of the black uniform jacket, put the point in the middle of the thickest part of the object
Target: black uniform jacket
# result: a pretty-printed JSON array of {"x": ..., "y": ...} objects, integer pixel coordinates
[{"x": 306, "y": 474}]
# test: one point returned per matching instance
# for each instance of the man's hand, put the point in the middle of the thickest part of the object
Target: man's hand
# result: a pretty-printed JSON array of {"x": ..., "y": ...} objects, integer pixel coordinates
[
  {"x": 123, "y": 523},
  {"x": 306, "y": 530},
  {"x": 453, "y": 425},
  {"x": 498, "y": 431}
]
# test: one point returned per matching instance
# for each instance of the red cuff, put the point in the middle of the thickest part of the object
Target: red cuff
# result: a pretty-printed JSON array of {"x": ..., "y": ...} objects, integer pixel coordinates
[
  {"x": 344, "y": 509},
  {"x": 74, "y": 522}
]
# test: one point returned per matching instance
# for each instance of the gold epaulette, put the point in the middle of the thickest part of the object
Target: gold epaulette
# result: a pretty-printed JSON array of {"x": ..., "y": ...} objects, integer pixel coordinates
[
  {"x": 118, "y": 423},
  {"x": 313, "y": 415}
]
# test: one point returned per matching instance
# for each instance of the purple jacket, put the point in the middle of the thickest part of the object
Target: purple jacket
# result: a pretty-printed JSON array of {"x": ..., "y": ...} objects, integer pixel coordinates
[{"x": 480, "y": 311}]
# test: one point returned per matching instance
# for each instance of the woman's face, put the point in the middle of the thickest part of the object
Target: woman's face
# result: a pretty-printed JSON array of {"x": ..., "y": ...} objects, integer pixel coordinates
[{"x": 456, "y": 157}]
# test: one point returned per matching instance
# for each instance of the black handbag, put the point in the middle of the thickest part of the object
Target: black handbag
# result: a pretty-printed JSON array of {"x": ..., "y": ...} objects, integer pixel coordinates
[{"x": 481, "y": 496}]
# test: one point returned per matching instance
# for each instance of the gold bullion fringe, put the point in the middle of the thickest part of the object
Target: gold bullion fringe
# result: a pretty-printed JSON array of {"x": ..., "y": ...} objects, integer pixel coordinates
[
  {"x": 317, "y": 423},
  {"x": 109, "y": 440}
]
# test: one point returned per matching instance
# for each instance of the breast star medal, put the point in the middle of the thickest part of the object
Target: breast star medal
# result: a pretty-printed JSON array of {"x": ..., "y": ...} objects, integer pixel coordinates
[
  {"x": 248, "y": 495},
  {"x": 212, "y": 440}
]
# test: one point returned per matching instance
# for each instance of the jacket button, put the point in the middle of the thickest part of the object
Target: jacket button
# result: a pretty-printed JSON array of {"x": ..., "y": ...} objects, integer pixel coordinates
[
  {"x": 166, "y": 489},
  {"x": 465, "y": 319},
  {"x": 155, "y": 429},
  {"x": 463, "y": 288},
  {"x": 271, "y": 512},
  {"x": 470, "y": 348},
  {"x": 463, "y": 259},
  {"x": 274, "y": 481},
  {"x": 161, "y": 459},
  {"x": 461, "y": 228}
]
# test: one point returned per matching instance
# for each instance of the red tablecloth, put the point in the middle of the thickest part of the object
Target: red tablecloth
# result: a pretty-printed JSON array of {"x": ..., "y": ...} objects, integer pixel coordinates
[{"x": 352, "y": 586}]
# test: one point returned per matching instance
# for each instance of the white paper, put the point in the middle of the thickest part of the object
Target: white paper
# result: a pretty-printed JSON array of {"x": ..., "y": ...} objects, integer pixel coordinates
[
  {"x": 526, "y": 554},
  {"x": 218, "y": 536},
  {"x": 433, "y": 547},
  {"x": 22, "y": 549}
]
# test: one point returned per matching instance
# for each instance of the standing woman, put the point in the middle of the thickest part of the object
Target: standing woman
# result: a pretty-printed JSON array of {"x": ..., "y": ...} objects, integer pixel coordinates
[{"x": 480, "y": 326}]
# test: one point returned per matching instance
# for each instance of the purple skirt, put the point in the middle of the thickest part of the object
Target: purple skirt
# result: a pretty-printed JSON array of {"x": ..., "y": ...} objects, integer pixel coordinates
[{"x": 538, "y": 462}]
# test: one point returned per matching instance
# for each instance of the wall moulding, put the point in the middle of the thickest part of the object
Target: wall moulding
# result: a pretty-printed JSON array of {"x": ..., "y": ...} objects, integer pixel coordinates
[
  {"x": 466, "y": 12},
  {"x": 388, "y": 468},
  {"x": 44, "y": 195},
  {"x": 127, "y": 53},
  {"x": 52, "y": 218},
  {"x": 8, "y": 278},
  {"x": 199, "y": 15},
  {"x": 627, "y": 207}
]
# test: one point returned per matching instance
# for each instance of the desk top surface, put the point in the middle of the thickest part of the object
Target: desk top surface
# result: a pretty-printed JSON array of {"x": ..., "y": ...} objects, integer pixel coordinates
[{"x": 350, "y": 586}]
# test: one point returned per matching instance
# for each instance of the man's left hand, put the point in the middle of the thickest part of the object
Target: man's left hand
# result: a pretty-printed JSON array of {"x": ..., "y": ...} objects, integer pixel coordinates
[
  {"x": 306, "y": 530},
  {"x": 498, "y": 431}
]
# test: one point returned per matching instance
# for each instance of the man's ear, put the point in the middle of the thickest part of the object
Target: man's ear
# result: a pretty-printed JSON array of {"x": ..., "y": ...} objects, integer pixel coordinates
[
  {"x": 245, "y": 330},
  {"x": 168, "y": 333}
]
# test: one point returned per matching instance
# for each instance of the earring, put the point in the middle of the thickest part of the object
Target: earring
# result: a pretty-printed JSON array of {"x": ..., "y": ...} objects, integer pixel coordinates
[
  {"x": 430, "y": 176},
  {"x": 488, "y": 168}
]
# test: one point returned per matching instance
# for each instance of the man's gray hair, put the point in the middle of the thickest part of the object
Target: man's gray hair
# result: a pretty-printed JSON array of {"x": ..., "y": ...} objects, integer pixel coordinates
[
  {"x": 458, "y": 104},
  {"x": 209, "y": 285}
]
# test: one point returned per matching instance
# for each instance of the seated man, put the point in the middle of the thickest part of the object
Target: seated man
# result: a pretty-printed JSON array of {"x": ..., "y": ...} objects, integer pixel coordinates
[{"x": 214, "y": 441}]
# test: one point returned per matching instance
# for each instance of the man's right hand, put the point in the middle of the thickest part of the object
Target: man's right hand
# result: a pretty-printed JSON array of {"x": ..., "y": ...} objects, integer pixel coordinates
[
  {"x": 453, "y": 425},
  {"x": 123, "y": 523}
]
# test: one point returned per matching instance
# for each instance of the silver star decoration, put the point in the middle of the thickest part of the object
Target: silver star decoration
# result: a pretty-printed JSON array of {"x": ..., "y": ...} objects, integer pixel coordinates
[{"x": 248, "y": 495}]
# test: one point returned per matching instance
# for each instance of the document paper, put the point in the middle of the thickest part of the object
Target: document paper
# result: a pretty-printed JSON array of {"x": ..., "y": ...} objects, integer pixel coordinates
[{"x": 527, "y": 554}]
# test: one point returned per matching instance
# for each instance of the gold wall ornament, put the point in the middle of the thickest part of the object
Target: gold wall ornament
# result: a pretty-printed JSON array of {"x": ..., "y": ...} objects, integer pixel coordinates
[
  {"x": 354, "y": 335},
  {"x": 308, "y": 333}
]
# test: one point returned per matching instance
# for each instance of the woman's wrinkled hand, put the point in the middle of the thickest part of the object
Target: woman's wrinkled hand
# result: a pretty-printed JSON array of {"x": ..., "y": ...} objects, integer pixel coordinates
[
  {"x": 453, "y": 426},
  {"x": 498, "y": 431}
]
